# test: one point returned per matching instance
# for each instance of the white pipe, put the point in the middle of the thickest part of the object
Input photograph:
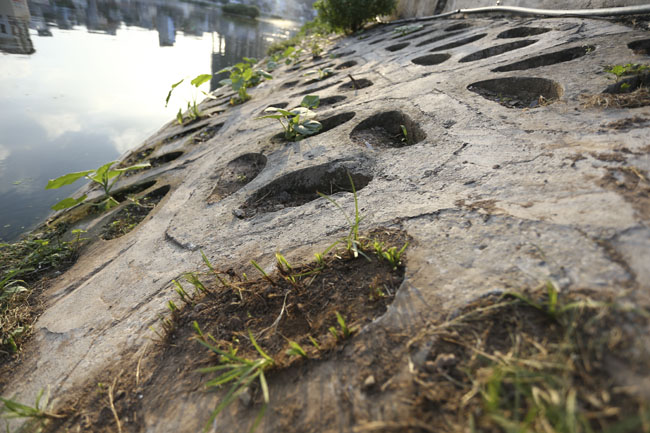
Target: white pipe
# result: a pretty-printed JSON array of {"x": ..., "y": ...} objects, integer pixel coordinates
[{"x": 600, "y": 12}]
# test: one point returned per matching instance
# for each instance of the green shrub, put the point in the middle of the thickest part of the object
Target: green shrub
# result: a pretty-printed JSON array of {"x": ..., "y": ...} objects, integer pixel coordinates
[
  {"x": 244, "y": 10},
  {"x": 351, "y": 15}
]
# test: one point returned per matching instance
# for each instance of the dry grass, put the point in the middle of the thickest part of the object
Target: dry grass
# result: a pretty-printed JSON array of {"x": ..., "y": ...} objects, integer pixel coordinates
[{"x": 638, "y": 98}]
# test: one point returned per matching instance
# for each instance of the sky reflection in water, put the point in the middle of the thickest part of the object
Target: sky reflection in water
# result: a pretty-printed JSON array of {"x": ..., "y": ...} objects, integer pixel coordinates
[{"x": 85, "y": 97}]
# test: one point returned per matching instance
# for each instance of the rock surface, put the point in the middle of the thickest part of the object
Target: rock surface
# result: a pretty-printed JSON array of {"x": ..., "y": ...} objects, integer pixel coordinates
[{"x": 494, "y": 197}]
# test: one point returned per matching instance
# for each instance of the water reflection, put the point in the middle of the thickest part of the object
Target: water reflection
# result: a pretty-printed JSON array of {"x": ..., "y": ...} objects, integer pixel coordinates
[{"x": 84, "y": 80}]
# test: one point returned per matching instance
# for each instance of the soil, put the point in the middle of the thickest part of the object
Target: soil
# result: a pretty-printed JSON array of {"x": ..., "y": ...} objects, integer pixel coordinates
[
  {"x": 274, "y": 310},
  {"x": 509, "y": 101},
  {"x": 377, "y": 136},
  {"x": 628, "y": 123}
]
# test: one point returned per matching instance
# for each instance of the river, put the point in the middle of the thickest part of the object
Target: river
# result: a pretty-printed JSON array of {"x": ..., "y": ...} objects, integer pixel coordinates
[{"x": 83, "y": 81}]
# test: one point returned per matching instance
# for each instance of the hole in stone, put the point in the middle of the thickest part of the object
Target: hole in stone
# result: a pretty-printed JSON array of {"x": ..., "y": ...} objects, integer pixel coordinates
[
  {"x": 182, "y": 134},
  {"x": 640, "y": 47},
  {"x": 436, "y": 39},
  {"x": 130, "y": 216},
  {"x": 359, "y": 83},
  {"x": 547, "y": 59},
  {"x": 316, "y": 80},
  {"x": 312, "y": 91},
  {"x": 630, "y": 84},
  {"x": 377, "y": 41},
  {"x": 385, "y": 130},
  {"x": 518, "y": 92},
  {"x": 495, "y": 51},
  {"x": 278, "y": 105},
  {"x": 336, "y": 120},
  {"x": 121, "y": 194},
  {"x": 206, "y": 134},
  {"x": 164, "y": 159},
  {"x": 294, "y": 68},
  {"x": 302, "y": 186},
  {"x": 237, "y": 173},
  {"x": 459, "y": 43},
  {"x": 419, "y": 35},
  {"x": 136, "y": 158},
  {"x": 347, "y": 64},
  {"x": 397, "y": 47},
  {"x": 459, "y": 26},
  {"x": 431, "y": 59},
  {"x": 338, "y": 56},
  {"x": 521, "y": 32},
  {"x": 331, "y": 100},
  {"x": 290, "y": 84}
]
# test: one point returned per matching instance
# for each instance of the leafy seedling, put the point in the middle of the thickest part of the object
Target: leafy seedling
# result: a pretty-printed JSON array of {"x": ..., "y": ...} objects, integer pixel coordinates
[
  {"x": 620, "y": 71},
  {"x": 37, "y": 414},
  {"x": 106, "y": 176},
  {"x": 344, "y": 332},
  {"x": 242, "y": 77},
  {"x": 299, "y": 122},
  {"x": 241, "y": 373},
  {"x": 192, "y": 112},
  {"x": 322, "y": 73},
  {"x": 405, "y": 134},
  {"x": 296, "y": 350}
]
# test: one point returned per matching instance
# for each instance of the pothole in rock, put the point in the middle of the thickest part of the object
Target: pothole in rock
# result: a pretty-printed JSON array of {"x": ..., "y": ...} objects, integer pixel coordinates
[
  {"x": 164, "y": 159},
  {"x": 431, "y": 59},
  {"x": 302, "y": 186},
  {"x": 388, "y": 129},
  {"x": 239, "y": 172},
  {"x": 121, "y": 194},
  {"x": 331, "y": 100},
  {"x": 436, "y": 39},
  {"x": 419, "y": 35},
  {"x": 344, "y": 54},
  {"x": 317, "y": 89},
  {"x": 290, "y": 84},
  {"x": 336, "y": 120},
  {"x": 136, "y": 158},
  {"x": 130, "y": 216},
  {"x": 278, "y": 105},
  {"x": 459, "y": 26},
  {"x": 518, "y": 92},
  {"x": 319, "y": 80},
  {"x": 397, "y": 47},
  {"x": 358, "y": 83},
  {"x": 206, "y": 133},
  {"x": 347, "y": 64},
  {"x": 547, "y": 59},
  {"x": 640, "y": 47},
  {"x": 459, "y": 43},
  {"x": 495, "y": 51},
  {"x": 522, "y": 32},
  {"x": 377, "y": 41},
  {"x": 182, "y": 134},
  {"x": 629, "y": 84}
]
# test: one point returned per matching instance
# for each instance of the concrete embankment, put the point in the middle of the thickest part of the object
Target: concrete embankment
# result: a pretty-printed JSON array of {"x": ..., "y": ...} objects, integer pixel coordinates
[{"x": 508, "y": 176}]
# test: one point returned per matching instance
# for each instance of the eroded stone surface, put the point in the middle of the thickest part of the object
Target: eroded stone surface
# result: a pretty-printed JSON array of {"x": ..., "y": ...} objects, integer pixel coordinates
[{"x": 495, "y": 198}]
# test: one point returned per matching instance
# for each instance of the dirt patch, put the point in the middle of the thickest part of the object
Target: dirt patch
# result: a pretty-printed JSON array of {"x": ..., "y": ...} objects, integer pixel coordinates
[
  {"x": 609, "y": 157},
  {"x": 314, "y": 90},
  {"x": 347, "y": 64},
  {"x": 302, "y": 186},
  {"x": 431, "y": 59},
  {"x": 239, "y": 172},
  {"x": 632, "y": 184},
  {"x": 187, "y": 131},
  {"x": 522, "y": 360},
  {"x": 274, "y": 309},
  {"x": 641, "y": 47},
  {"x": 128, "y": 218},
  {"x": 165, "y": 159},
  {"x": 331, "y": 100},
  {"x": 206, "y": 133},
  {"x": 397, "y": 47},
  {"x": 547, "y": 59},
  {"x": 355, "y": 84},
  {"x": 628, "y": 123},
  {"x": 437, "y": 39},
  {"x": 388, "y": 129},
  {"x": 518, "y": 92},
  {"x": 459, "y": 26}
]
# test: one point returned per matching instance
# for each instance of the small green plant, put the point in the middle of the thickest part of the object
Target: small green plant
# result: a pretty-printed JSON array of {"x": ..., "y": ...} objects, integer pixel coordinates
[
  {"x": 106, "y": 176},
  {"x": 345, "y": 332},
  {"x": 299, "y": 122},
  {"x": 239, "y": 371},
  {"x": 406, "y": 29},
  {"x": 38, "y": 414},
  {"x": 620, "y": 71},
  {"x": 296, "y": 350},
  {"x": 392, "y": 255},
  {"x": 242, "y": 77},
  {"x": 193, "y": 112},
  {"x": 322, "y": 73},
  {"x": 316, "y": 50},
  {"x": 405, "y": 134}
]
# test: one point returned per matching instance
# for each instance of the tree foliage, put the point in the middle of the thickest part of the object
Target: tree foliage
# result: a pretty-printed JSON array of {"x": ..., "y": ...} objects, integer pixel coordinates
[{"x": 351, "y": 15}]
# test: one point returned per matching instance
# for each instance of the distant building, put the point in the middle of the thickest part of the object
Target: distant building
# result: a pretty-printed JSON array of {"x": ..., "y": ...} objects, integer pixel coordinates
[{"x": 14, "y": 27}]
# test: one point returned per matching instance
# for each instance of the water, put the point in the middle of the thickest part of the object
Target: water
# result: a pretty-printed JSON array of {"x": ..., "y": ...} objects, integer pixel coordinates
[{"x": 83, "y": 81}]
